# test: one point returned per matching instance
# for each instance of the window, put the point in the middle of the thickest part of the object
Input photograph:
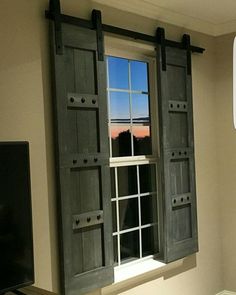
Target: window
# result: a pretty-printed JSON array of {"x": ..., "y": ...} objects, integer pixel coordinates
[{"x": 132, "y": 160}]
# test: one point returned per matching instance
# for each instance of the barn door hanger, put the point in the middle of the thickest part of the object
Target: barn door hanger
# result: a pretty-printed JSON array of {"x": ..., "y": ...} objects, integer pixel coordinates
[
  {"x": 160, "y": 36},
  {"x": 55, "y": 10}
]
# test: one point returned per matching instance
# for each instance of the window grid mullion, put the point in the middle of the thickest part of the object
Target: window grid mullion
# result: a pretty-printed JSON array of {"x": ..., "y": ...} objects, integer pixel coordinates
[
  {"x": 117, "y": 218},
  {"x": 135, "y": 196},
  {"x": 139, "y": 214},
  {"x": 130, "y": 108},
  {"x": 128, "y": 230},
  {"x": 127, "y": 91}
]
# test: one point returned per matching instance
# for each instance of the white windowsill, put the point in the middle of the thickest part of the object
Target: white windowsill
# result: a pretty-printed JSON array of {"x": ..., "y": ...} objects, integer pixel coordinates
[
  {"x": 132, "y": 274},
  {"x": 143, "y": 267},
  {"x": 130, "y": 270}
]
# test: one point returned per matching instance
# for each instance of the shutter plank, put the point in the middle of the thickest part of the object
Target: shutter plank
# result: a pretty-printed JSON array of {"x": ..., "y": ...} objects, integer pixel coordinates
[
  {"x": 84, "y": 61},
  {"x": 70, "y": 139}
]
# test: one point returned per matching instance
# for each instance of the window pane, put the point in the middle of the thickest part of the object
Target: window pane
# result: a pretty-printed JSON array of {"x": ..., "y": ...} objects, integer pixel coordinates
[
  {"x": 115, "y": 250},
  {"x": 142, "y": 140},
  {"x": 114, "y": 217},
  {"x": 149, "y": 241},
  {"x": 119, "y": 107},
  {"x": 129, "y": 246},
  {"x": 113, "y": 185},
  {"x": 121, "y": 140},
  {"x": 127, "y": 181},
  {"x": 148, "y": 209},
  {"x": 139, "y": 75},
  {"x": 128, "y": 213},
  {"x": 118, "y": 73},
  {"x": 140, "y": 108},
  {"x": 147, "y": 178}
]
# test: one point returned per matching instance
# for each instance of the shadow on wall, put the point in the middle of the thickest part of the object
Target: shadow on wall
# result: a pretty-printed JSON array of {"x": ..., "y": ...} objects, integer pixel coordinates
[{"x": 172, "y": 269}]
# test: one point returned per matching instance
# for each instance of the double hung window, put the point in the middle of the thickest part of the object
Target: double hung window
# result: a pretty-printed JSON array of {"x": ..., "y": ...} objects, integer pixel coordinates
[{"x": 133, "y": 158}]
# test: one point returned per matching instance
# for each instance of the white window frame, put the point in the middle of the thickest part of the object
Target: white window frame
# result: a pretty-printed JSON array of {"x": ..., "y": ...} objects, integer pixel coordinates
[{"x": 142, "y": 52}]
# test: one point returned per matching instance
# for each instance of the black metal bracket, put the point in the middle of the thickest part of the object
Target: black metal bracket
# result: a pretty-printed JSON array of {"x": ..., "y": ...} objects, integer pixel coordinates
[
  {"x": 186, "y": 43},
  {"x": 160, "y": 36},
  {"x": 55, "y": 9},
  {"x": 97, "y": 22},
  {"x": 54, "y": 14}
]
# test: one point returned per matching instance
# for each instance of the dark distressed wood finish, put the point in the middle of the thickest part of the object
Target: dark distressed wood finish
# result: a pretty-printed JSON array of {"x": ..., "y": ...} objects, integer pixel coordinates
[
  {"x": 177, "y": 155},
  {"x": 83, "y": 162}
]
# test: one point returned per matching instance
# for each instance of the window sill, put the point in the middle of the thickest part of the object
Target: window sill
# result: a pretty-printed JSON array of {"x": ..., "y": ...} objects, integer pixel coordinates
[
  {"x": 131, "y": 270},
  {"x": 130, "y": 275},
  {"x": 143, "y": 267}
]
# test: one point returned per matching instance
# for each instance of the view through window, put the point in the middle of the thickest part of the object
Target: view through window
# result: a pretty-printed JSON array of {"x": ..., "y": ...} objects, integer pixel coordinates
[
  {"x": 128, "y": 93},
  {"x": 133, "y": 181}
]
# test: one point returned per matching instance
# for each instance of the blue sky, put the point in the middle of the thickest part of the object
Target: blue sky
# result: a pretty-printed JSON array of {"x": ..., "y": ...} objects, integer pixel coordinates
[{"x": 118, "y": 69}]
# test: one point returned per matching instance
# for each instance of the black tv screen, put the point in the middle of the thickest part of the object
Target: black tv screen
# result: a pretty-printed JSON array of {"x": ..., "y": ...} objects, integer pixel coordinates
[{"x": 16, "y": 238}]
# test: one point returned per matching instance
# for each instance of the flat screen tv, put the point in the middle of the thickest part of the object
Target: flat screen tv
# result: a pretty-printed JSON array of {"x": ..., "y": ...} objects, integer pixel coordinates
[{"x": 16, "y": 238}]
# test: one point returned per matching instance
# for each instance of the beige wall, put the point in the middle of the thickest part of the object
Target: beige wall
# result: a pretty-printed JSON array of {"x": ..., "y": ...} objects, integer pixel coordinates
[
  {"x": 25, "y": 114},
  {"x": 226, "y": 151}
]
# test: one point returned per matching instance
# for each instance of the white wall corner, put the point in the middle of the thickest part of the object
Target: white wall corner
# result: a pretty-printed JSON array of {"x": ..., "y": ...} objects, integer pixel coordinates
[{"x": 225, "y": 292}]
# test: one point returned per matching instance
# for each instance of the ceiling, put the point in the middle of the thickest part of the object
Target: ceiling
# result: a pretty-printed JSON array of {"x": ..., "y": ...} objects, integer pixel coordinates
[{"x": 213, "y": 17}]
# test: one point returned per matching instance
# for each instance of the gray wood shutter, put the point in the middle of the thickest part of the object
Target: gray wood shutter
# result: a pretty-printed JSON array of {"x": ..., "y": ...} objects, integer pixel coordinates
[
  {"x": 177, "y": 153},
  {"x": 80, "y": 107}
]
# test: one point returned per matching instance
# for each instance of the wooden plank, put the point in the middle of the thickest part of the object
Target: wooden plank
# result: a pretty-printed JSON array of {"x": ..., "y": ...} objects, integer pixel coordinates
[
  {"x": 69, "y": 137},
  {"x": 176, "y": 76},
  {"x": 85, "y": 67},
  {"x": 85, "y": 39},
  {"x": 179, "y": 130}
]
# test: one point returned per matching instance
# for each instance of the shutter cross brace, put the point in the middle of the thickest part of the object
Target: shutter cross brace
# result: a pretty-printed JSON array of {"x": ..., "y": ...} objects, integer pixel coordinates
[{"x": 54, "y": 13}]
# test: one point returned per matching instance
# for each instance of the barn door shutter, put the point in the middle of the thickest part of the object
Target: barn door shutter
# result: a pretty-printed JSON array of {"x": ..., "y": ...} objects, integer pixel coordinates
[
  {"x": 83, "y": 160},
  {"x": 177, "y": 152}
]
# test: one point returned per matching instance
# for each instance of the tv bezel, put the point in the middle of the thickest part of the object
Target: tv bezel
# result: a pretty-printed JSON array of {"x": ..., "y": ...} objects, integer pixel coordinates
[{"x": 31, "y": 282}]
